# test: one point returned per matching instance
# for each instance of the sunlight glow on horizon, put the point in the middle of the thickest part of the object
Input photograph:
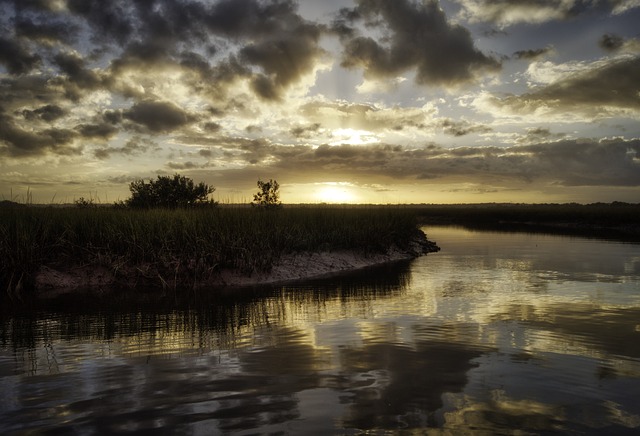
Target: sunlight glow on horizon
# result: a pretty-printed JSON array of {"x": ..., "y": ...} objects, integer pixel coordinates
[{"x": 333, "y": 192}]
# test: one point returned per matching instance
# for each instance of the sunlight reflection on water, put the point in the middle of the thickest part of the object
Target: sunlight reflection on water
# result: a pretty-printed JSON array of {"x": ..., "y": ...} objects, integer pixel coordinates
[{"x": 496, "y": 333}]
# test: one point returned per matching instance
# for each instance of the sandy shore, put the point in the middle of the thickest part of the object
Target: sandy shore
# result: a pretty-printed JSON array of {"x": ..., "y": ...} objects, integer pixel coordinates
[{"x": 290, "y": 267}]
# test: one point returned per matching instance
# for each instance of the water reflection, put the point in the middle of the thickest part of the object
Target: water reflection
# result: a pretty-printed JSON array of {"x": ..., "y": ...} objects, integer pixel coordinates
[{"x": 496, "y": 333}]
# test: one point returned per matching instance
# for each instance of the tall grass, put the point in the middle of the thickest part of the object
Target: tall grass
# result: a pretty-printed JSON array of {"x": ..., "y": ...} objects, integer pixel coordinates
[{"x": 188, "y": 244}]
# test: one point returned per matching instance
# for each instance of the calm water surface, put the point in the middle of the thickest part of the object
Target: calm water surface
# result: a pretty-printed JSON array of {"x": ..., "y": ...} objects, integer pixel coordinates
[{"x": 496, "y": 334}]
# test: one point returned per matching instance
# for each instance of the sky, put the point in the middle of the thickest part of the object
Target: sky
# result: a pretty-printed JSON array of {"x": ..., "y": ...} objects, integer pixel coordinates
[{"x": 354, "y": 101}]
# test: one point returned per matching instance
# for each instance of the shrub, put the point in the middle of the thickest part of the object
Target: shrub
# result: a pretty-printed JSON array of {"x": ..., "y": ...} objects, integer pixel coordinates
[
  {"x": 169, "y": 192},
  {"x": 84, "y": 202},
  {"x": 267, "y": 195}
]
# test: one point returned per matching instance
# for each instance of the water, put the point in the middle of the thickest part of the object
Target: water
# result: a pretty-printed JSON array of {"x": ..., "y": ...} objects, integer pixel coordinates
[{"x": 496, "y": 334}]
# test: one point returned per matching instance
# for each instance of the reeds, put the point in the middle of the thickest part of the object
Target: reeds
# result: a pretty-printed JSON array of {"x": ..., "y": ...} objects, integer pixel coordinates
[{"x": 185, "y": 244}]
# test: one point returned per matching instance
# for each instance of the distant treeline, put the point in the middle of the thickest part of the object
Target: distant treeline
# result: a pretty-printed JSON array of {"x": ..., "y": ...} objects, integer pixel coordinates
[{"x": 617, "y": 219}]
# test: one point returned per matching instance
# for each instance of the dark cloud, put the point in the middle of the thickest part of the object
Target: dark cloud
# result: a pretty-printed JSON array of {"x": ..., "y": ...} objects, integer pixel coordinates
[
  {"x": 110, "y": 21},
  {"x": 206, "y": 152},
  {"x": 142, "y": 55},
  {"x": 18, "y": 92},
  {"x": 211, "y": 127},
  {"x": 38, "y": 5},
  {"x": 531, "y": 54},
  {"x": 103, "y": 131},
  {"x": 196, "y": 62},
  {"x": 283, "y": 60},
  {"x": 50, "y": 112},
  {"x": 611, "y": 42},
  {"x": 286, "y": 54},
  {"x": 594, "y": 92},
  {"x": 47, "y": 32},
  {"x": 538, "y": 134},
  {"x": 19, "y": 142},
  {"x": 419, "y": 38},
  {"x": 183, "y": 165},
  {"x": 305, "y": 131},
  {"x": 158, "y": 116},
  {"x": 588, "y": 163},
  {"x": 563, "y": 163},
  {"x": 266, "y": 41},
  {"x": 16, "y": 57},
  {"x": 134, "y": 146},
  {"x": 462, "y": 128},
  {"x": 74, "y": 67},
  {"x": 490, "y": 33},
  {"x": 112, "y": 116},
  {"x": 252, "y": 18}
]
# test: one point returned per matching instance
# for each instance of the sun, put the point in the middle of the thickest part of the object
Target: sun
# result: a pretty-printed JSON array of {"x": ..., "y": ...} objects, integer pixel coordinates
[
  {"x": 353, "y": 137},
  {"x": 335, "y": 193}
]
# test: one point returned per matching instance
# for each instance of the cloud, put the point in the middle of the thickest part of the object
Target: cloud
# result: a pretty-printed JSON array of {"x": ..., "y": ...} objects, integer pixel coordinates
[
  {"x": 102, "y": 131},
  {"x": 510, "y": 12},
  {"x": 611, "y": 42},
  {"x": 46, "y": 32},
  {"x": 19, "y": 142},
  {"x": 601, "y": 90},
  {"x": 462, "y": 128},
  {"x": 617, "y": 44},
  {"x": 110, "y": 21},
  {"x": 16, "y": 57},
  {"x": 538, "y": 134},
  {"x": 372, "y": 118},
  {"x": 283, "y": 59},
  {"x": 49, "y": 113},
  {"x": 158, "y": 116},
  {"x": 341, "y": 115},
  {"x": 561, "y": 163},
  {"x": 532, "y": 54},
  {"x": 20, "y": 92},
  {"x": 305, "y": 131},
  {"x": 134, "y": 146},
  {"x": 267, "y": 42},
  {"x": 72, "y": 65},
  {"x": 614, "y": 162},
  {"x": 183, "y": 165},
  {"x": 419, "y": 38}
]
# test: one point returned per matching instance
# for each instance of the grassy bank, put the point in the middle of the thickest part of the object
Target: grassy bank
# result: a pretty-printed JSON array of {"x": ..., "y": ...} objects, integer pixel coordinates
[{"x": 187, "y": 245}]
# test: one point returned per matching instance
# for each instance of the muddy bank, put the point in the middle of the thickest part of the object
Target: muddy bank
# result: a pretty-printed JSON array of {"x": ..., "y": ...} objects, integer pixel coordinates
[{"x": 55, "y": 279}]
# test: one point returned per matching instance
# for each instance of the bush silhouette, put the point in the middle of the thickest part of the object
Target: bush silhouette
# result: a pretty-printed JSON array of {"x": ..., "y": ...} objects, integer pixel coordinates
[
  {"x": 267, "y": 195},
  {"x": 169, "y": 192}
]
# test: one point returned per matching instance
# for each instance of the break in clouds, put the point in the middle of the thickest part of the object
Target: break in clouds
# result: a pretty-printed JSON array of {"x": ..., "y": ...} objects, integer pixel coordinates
[{"x": 371, "y": 91}]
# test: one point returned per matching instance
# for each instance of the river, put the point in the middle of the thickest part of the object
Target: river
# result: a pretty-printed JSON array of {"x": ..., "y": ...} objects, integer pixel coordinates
[{"x": 496, "y": 334}]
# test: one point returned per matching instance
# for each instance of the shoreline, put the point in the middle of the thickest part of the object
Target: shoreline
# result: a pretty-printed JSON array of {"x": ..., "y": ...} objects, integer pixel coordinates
[{"x": 293, "y": 267}]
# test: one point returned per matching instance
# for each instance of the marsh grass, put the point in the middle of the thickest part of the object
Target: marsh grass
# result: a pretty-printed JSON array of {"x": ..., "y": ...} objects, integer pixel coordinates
[
  {"x": 190, "y": 245},
  {"x": 185, "y": 245}
]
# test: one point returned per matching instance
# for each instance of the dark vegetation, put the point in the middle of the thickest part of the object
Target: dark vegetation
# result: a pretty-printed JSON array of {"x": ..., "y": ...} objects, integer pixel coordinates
[
  {"x": 185, "y": 244},
  {"x": 171, "y": 231},
  {"x": 610, "y": 220},
  {"x": 268, "y": 195},
  {"x": 169, "y": 192}
]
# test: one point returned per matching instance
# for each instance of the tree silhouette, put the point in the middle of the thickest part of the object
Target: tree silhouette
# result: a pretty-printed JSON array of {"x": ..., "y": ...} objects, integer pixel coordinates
[
  {"x": 267, "y": 195},
  {"x": 169, "y": 192}
]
